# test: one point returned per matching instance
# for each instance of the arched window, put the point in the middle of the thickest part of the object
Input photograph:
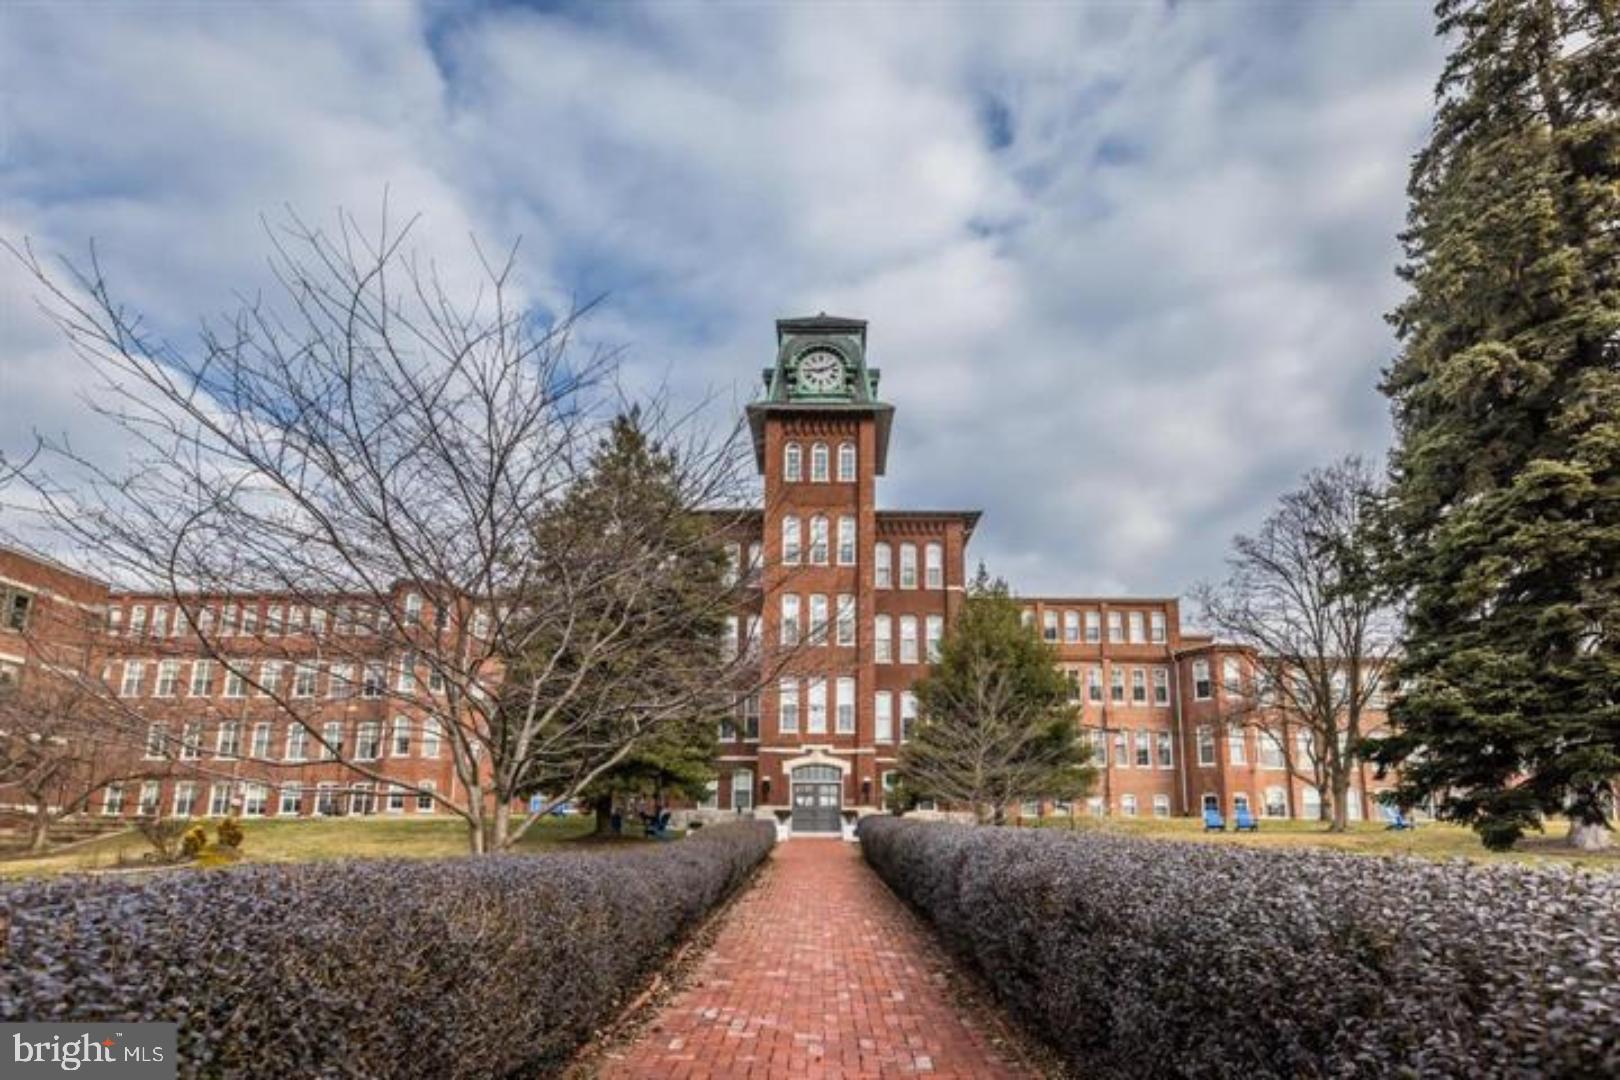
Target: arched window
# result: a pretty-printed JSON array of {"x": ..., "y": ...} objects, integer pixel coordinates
[
  {"x": 846, "y": 541},
  {"x": 846, "y": 463},
  {"x": 818, "y": 540},
  {"x": 818, "y": 463},
  {"x": 934, "y": 566},
  {"x": 908, "y": 566},
  {"x": 792, "y": 463},
  {"x": 790, "y": 541},
  {"x": 882, "y": 567}
]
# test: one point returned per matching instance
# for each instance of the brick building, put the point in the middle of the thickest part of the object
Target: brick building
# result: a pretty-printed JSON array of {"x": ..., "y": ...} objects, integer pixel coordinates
[{"x": 847, "y": 602}]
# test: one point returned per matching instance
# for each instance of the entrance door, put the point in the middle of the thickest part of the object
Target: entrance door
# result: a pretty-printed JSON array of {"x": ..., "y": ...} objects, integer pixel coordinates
[{"x": 816, "y": 798}]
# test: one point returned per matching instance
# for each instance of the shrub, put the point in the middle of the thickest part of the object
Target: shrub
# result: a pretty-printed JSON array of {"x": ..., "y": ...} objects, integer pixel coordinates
[
  {"x": 166, "y": 835},
  {"x": 195, "y": 840},
  {"x": 472, "y": 967},
  {"x": 1141, "y": 958},
  {"x": 229, "y": 832}
]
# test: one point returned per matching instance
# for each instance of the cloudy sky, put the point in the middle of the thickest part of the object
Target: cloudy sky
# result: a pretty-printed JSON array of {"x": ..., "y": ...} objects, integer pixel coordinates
[{"x": 1125, "y": 264}]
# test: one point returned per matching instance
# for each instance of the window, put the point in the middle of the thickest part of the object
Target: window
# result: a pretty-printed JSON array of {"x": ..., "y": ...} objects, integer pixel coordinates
[
  {"x": 295, "y": 619},
  {"x": 405, "y": 681},
  {"x": 846, "y": 541},
  {"x": 326, "y": 800},
  {"x": 431, "y": 733},
  {"x": 292, "y": 799},
  {"x": 908, "y": 714},
  {"x": 882, "y": 567},
  {"x": 361, "y": 801},
  {"x": 1144, "y": 749},
  {"x": 882, "y": 639},
  {"x": 17, "y": 606},
  {"x": 137, "y": 621},
  {"x": 1232, "y": 676},
  {"x": 1138, "y": 686},
  {"x": 1275, "y": 803},
  {"x": 751, "y": 641},
  {"x": 1211, "y": 802},
  {"x": 729, "y": 639},
  {"x": 1156, "y": 628},
  {"x": 250, "y": 620},
  {"x": 1240, "y": 803},
  {"x": 219, "y": 800},
  {"x": 375, "y": 680},
  {"x": 1116, "y": 627},
  {"x": 331, "y": 739},
  {"x": 1237, "y": 746},
  {"x": 112, "y": 800},
  {"x": 168, "y": 678},
  {"x": 272, "y": 621},
  {"x": 908, "y": 566},
  {"x": 297, "y": 741},
  {"x": 1161, "y": 686},
  {"x": 818, "y": 540},
  {"x": 261, "y": 740},
  {"x": 367, "y": 742},
  {"x": 817, "y": 722},
  {"x": 185, "y": 798},
  {"x": 1122, "y": 749},
  {"x": 846, "y": 706},
  {"x": 1049, "y": 626},
  {"x": 480, "y": 624},
  {"x": 413, "y": 607},
  {"x": 254, "y": 798},
  {"x": 1127, "y": 805},
  {"x": 1072, "y": 677},
  {"x": 1166, "y": 752},
  {"x": 156, "y": 739},
  {"x": 1206, "y": 746},
  {"x": 131, "y": 685},
  {"x": 396, "y": 799},
  {"x": 1093, "y": 627},
  {"x": 890, "y": 781},
  {"x": 908, "y": 639},
  {"x": 191, "y": 741},
  {"x": 1094, "y": 683},
  {"x": 269, "y": 677},
  {"x": 750, "y": 716},
  {"x": 1137, "y": 634},
  {"x": 235, "y": 684},
  {"x": 202, "y": 677},
  {"x": 401, "y": 746},
  {"x": 818, "y": 463},
  {"x": 846, "y": 619},
  {"x": 1071, "y": 627},
  {"x": 711, "y": 796},
  {"x": 790, "y": 541},
  {"x": 742, "y": 789},
  {"x": 1116, "y": 686},
  {"x": 340, "y": 681},
  {"x": 424, "y": 797},
  {"x": 934, "y": 630},
  {"x": 818, "y": 619},
  {"x": 846, "y": 463},
  {"x": 934, "y": 566},
  {"x": 1202, "y": 690},
  {"x": 1161, "y": 806},
  {"x": 756, "y": 561},
  {"x": 160, "y": 622},
  {"x": 787, "y": 709},
  {"x": 304, "y": 680},
  {"x": 1271, "y": 751},
  {"x": 317, "y": 621},
  {"x": 792, "y": 463},
  {"x": 147, "y": 803},
  {"x": 883, "y": 713},
  {"x": 228, "y": 743}
]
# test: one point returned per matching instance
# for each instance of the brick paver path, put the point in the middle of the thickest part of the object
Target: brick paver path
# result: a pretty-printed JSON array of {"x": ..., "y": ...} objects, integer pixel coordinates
[{"x": 817, "y": 972}]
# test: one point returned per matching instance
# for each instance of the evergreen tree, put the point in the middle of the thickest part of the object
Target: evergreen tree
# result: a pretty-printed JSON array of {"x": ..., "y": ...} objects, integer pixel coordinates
[
  {"x": 1506, "y": 398},
  {"x": 995, "y": 722}
]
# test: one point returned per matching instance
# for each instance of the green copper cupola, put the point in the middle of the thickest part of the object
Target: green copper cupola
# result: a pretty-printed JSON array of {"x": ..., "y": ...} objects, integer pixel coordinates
[{"x": 821, "y": 367}]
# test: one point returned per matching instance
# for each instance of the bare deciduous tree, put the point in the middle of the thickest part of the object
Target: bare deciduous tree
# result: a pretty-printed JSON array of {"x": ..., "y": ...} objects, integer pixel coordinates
[
  {"x": 1303, "y": 596},
  {"x": 391, "y": 455}
]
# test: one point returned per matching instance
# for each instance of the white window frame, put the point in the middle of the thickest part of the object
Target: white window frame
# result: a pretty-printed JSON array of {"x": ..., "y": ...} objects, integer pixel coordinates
[
  {"x": 846, "y": 541},
  {"x": 820, "y": 463},
  {"x": 792, "y": 463},
  {"x": 792, "y": 541},
  {"x": 883, "y": 716},
  {"x": 908, "y": 566},
  {"x": 819, "y": 616},
  {"x": 846, "y": 463},
  {"x": 816, "y": 712},
  {"x": 933, "y": 637},
  {"x": 133, "y": 675},
  {"x": 183, "y": 799},
  {"x": 819, "y": 539},
  {"x": 844, "y": 698},
  {"x": 787, "y": 706},
  {"x": 882, "y": 639},
  {"x": 882, "y": 566},
  {"x": 844, "y": 617},
  {"x": 908, "y": 639},
  {"x": 934, "y": 565}
]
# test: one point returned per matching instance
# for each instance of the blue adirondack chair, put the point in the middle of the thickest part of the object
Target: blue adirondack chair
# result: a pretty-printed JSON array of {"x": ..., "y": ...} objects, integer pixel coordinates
[
  {"x": 1246, "y": 821},
  {"x": 1213, "y": 822},
  {"x": 1395, "y": 819},
  {"x": 658, "y": 827}
]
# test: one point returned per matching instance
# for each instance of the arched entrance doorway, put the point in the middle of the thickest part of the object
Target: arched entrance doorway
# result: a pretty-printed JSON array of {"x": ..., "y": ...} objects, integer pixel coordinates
[{"x": 817, "y": 798}]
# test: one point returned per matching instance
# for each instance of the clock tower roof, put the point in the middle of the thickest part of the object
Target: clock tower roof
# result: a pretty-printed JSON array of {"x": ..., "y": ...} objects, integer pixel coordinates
[{"x": 821, "y": 368}]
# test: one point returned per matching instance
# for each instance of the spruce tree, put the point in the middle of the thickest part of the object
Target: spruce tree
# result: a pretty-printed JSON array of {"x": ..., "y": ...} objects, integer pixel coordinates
[{"x": 1506, "y": 399}]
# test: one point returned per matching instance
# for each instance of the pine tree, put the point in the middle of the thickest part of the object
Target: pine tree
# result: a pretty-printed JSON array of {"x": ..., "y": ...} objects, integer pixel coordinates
[
  {"x": 995, "y": 722},
  {"x": 1506, "y": 398}
]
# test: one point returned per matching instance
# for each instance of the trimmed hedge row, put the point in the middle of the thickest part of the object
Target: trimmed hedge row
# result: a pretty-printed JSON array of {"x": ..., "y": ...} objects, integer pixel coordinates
[
  {"x": 488, "y": 966},
  {"x": 1146, "y": 958}
]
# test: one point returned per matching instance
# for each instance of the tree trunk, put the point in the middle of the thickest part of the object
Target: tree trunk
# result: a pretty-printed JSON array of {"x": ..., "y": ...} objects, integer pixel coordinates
[
  {"x": 603, "y": 805},
  {"x": 1588, "y": 835},
  {"x": 39, "y": 833},
  {"x": 476, "y": 831},
  {"x": 501, "y": 827}
]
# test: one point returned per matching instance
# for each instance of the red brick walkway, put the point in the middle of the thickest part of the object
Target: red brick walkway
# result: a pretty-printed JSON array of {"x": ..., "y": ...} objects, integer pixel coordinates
[{"x": 818, "y": 972}]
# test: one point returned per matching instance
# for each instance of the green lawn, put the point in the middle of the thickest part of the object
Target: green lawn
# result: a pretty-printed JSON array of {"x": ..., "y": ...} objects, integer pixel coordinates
[
  {"x": 271, "y": 840},
  {"x": 1431, "y": 841}
]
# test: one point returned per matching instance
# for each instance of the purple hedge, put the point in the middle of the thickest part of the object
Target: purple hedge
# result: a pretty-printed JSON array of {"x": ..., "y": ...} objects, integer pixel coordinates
[
  {"x": 492, "y": 966},
  {"x": 1146, "y": 958}
]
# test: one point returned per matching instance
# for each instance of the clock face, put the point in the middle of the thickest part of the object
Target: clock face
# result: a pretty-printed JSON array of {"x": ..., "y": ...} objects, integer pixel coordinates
[{"x": 821, "y": 372}]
